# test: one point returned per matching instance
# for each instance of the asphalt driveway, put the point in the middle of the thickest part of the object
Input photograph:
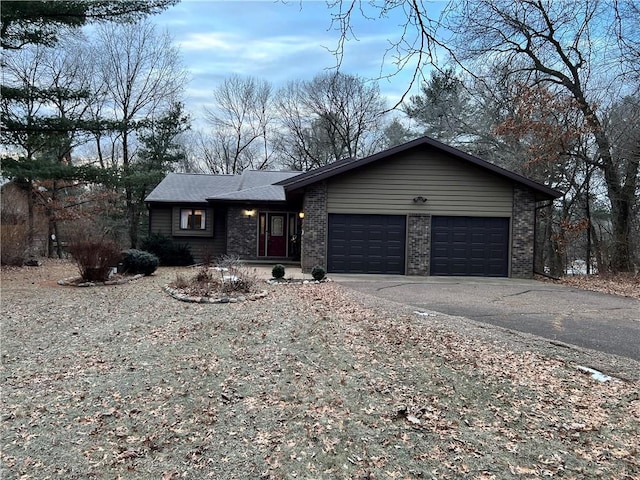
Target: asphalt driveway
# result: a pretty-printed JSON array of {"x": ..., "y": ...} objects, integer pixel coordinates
[{"x": 598, "y": 321}]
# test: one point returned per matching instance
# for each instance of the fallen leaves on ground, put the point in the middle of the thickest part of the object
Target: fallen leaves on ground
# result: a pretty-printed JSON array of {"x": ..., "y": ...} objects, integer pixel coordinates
[
  {"x": 623, "y": 284},
  {"x": 311, "y": 382}
]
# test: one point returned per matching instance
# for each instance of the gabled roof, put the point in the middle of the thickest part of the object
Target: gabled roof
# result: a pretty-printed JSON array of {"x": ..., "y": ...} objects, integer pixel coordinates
[
  {"x": 257, "y": 185},
  {"x": 252, "y": 185},
  {"x": 190, "y": 187},
  {"x": 323, "y": 173}
]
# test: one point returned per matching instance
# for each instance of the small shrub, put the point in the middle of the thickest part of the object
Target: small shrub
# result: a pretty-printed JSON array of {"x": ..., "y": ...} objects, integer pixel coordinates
[
  {"x": 237, "y": 277},
  {"x": 230, "y": 277},
  {"x": 181, "y": 281},
  {"x": 181, "y": 255},
  {"x": 168, "y": 252},
  {"x": 278, "y": 271},
  {"x": 94, "y": 258},
  {"x": 139, "y": 261},
  {"x": 204, "y": 275},
  {"x": 318, "y": 273}
]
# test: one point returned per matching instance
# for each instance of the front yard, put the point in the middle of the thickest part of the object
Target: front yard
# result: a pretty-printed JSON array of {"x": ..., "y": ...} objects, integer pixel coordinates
[{"x": 311, "y": 382}]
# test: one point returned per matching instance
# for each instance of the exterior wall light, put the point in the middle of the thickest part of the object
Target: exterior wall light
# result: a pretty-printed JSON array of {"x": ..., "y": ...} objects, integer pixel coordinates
[
  {"x": 250, "y": 213},
  {"x": 419, "y": 199},
  {"x": 301, "y": 215}
]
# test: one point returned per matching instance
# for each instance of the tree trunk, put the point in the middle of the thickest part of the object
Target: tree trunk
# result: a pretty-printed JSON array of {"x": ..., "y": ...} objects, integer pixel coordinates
[
  {"x": 597, "y": 246},
  {"x": 621, "y": 223},
  {"x": 128, "y": 189},
  {"x": 31, "y": 229},
  {"x": 56, "y": 232},
  {"x": 134, "y": 220},
  {"x": 621, "y": 193},
  {"x": 50, "y": 237}
]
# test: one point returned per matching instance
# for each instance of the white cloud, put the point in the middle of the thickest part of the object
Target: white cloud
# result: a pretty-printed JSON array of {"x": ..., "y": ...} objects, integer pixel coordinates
[
  {"x": 208, "y": 41},
  {"x": 272, "y": 41}
]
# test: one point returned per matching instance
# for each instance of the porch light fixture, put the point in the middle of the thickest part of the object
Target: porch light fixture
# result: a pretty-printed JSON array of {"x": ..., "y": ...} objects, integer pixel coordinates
[
  {"x": 250, "y": 213},
  {"x": 301, "y": 215},
  {"x": 419, "y": 199}
]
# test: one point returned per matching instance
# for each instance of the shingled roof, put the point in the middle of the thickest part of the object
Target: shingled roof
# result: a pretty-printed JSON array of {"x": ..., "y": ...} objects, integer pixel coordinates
[
  {"x": 252, "y": 185},
  {"x": 267, "y": 186}
]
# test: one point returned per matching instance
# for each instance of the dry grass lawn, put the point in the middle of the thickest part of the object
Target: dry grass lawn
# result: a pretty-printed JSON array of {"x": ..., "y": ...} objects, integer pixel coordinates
[{"x": 311, "y": 382}]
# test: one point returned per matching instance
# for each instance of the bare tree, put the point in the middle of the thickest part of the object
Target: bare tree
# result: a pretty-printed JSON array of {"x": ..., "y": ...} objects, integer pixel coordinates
[
  {"x": 240, "y": 123},
  {"x": 420, "y": 39},
  {"x": 552, "y": 43},
  {"x": 142, "y": 77},
  {"x": 22, "y": 71},
  {"x": 626, "y": 29},
  {"x": 331, "y": 117}
]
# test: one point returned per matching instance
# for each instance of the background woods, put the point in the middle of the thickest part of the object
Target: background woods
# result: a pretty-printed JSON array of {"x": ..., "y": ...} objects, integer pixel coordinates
[{"x": 93, "y": 113}]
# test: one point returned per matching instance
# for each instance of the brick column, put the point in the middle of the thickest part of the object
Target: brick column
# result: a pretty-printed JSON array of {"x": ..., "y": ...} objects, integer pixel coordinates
[
  {"x": 522, "y": 232},
  {"x": 314, "y": 227},
  {"x": 242, "y": 234},
  {"x": 418, "y": 244}
]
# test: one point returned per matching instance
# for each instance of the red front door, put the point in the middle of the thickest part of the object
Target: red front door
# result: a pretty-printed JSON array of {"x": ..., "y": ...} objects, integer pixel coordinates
[{"x": 276, "y": 234}]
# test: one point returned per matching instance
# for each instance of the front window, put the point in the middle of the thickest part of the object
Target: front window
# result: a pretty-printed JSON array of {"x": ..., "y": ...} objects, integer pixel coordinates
[{"x": 192, "y": 219}]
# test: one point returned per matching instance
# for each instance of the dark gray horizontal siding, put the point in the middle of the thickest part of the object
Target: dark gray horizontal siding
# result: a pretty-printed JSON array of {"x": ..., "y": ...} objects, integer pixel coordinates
[
  {"x": 160, "y": 220},
  {"x": 210, "y": 244}
]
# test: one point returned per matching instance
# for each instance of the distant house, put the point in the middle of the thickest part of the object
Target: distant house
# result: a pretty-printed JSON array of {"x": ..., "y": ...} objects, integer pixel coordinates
[
  {"x": 14, "y": 224},
  {"x": 422, "y": 208}
]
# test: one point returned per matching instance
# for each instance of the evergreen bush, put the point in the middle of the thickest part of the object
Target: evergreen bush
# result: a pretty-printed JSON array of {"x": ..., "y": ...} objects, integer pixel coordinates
[
  {"x": 139, "y": 261},
  {"x": 168, "y": 252},
  {"x": 278, "y": 271},
  {"x": 318, "y": 273}
]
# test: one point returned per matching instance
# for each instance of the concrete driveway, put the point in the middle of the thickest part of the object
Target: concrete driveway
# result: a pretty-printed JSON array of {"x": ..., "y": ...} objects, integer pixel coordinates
[{"x": 598, "y": 321}]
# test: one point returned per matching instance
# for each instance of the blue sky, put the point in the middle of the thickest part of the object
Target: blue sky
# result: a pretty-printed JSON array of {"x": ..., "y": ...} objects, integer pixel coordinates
[{"x": 275, "y": 41}]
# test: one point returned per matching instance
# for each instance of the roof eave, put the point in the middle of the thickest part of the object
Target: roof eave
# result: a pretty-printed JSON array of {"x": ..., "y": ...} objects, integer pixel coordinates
[
  {"x": 309, "y": 178},
  {"x": 176, "y": 201},
  {"x": 237, "y": 201}
]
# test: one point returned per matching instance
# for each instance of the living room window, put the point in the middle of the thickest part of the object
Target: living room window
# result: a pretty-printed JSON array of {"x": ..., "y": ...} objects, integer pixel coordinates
[{"x": 192, "y": 219}]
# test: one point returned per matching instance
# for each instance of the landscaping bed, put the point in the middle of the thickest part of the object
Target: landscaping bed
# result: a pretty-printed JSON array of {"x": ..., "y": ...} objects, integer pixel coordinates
[{"x": 312, "y": 381}]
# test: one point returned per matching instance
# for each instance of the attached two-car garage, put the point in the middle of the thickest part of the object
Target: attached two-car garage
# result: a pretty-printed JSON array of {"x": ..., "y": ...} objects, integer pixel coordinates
[{"x": 461, "y": 246}]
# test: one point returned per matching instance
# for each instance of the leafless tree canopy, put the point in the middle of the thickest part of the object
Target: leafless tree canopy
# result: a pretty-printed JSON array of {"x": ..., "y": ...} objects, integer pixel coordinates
[
  {"x": 240, "y": 123},
  {"x": 140, "y": 76},
  {"x": 418, "y": 42},
  {"x": 331, "y": 117}
]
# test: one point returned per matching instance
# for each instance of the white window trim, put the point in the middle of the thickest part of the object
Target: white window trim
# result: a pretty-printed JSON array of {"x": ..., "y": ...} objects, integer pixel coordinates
[{"x": 187, "y": 213}]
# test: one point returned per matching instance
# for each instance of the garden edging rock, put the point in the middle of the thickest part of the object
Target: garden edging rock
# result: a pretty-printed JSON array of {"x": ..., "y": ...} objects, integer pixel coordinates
[
  {"x": 71, "y": 281},
  {"x": 183, "y": 297}
]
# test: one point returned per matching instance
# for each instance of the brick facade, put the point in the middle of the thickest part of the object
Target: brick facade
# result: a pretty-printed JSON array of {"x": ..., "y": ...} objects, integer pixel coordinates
[
  {"x": 522, "y": 232},
  {"x": 314, "y": 227},
  {"x": 418, "y": 244},
  {"x": 242, "y": 233}
]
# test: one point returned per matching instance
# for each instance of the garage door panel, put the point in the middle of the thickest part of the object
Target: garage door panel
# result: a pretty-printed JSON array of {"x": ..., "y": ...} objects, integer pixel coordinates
[
  {"x": 366, "y": 243},
  {"x": 470, "y": 246}
]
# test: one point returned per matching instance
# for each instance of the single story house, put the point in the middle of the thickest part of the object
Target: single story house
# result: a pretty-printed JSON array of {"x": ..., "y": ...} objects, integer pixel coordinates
[{"x": 421, "y": 208}]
